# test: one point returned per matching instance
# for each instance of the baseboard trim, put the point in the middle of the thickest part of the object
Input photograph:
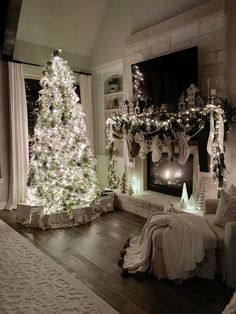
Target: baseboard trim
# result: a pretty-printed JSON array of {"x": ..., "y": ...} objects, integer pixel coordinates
[{"x": 3, "y": 205}]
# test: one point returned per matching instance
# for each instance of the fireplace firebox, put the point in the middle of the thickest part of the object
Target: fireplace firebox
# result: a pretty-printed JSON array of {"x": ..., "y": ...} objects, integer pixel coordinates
[{"x": 168, "y": 176}]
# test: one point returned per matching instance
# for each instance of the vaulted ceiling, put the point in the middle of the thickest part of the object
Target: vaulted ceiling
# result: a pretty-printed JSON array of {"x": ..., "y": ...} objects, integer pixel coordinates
[
  {"x": 90, "y": 32},
  {"x": 69, "y": 24}
]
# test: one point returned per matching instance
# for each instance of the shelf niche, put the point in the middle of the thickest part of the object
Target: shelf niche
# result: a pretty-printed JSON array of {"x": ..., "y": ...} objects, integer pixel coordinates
[{"x": 113, "y": 84}]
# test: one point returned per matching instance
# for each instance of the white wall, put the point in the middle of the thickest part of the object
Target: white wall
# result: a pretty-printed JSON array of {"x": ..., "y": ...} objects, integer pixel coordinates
[
  {"x": 71, "y": 25},
  {"x": 32, "y": 53},
  {"x": 125, "y": 17},
  {"x": 204, "y": 26},
  {"x": 4, "y": 133}
]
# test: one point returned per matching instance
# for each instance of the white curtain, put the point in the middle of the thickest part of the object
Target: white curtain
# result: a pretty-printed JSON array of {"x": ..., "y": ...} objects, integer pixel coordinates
[
  {"x": 19, "y": 155},
  {"x": 85, "y": 82}
]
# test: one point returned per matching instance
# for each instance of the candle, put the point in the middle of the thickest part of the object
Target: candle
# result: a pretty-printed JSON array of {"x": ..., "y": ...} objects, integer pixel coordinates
[{"x": 135, "y": 183}]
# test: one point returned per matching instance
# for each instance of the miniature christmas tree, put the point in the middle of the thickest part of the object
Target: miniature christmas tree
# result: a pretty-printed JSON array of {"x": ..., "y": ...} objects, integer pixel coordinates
[
  {"x": 113, "y": 180},
  {"x": 184, "y": 197},
  {"x": 124, "y": 184},
  {"x": 62, "y": 167}
]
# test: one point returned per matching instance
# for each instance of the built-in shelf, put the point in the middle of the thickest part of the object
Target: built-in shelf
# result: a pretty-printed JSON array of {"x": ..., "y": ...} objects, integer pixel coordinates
[
  {"x": 113, "y": 94},
  {"x": 112, "y": 110},
  {"x": 1, "y": 180}
]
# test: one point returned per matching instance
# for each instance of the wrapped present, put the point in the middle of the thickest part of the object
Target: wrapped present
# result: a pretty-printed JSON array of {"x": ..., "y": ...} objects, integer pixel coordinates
[
  {"x": 107, "y": 203},
  {"x": 59, "y": 218},
  {"x": 34, "y": 221},
  {"x": 108, "y": 192},
  {"x": 26, "y": 211},
  {"x": 83, "y": 214}
]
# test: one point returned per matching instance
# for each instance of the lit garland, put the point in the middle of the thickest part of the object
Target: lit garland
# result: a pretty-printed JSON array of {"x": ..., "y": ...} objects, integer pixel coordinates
[
  {"x": 113, "y": 180},
  {"x": 167, "y": 124},
  {"x": 62, "y": 167},
  {"x": 219, "y": 167},
  {"x": 138, "y": 83}
]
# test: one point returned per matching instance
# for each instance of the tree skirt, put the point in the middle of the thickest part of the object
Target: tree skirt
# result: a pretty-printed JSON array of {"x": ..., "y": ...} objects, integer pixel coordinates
[{"x": 31, "y": 282}]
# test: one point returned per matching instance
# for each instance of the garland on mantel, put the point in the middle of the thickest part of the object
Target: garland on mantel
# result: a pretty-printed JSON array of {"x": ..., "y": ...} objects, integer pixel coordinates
[{"x": 149, "y": 131}]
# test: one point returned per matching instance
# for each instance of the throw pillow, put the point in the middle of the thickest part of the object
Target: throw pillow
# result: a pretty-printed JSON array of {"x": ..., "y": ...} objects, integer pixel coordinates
[
  {"x": 226, "y": 210},
  {"x": 232, "y": 190}
]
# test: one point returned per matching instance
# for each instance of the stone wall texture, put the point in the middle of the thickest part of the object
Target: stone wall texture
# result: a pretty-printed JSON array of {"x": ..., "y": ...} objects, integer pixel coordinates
[{"x": 204, "y": 27}]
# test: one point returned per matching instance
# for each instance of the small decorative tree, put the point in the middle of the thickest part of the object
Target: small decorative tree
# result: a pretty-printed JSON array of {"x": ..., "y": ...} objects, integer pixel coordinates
[
  {"x": 184, "y": 197},
  {"x": 124, "y": 184},
  {"x": 62, "y": 167},
  {"x": 113, "y": 180}
]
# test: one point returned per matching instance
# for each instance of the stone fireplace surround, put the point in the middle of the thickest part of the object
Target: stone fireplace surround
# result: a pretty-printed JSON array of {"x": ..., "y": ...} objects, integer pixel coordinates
[
  {"x": 205, "y": 27},
  {"x": 147, "y": 201}
]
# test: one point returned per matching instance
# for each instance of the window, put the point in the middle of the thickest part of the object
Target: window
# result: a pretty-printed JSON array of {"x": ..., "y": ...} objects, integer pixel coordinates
[{"x": 32, "y": 87}]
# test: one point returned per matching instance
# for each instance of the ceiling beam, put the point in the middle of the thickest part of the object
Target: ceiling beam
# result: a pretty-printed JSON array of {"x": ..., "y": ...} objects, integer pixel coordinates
[{"x": 9, "y": 26}]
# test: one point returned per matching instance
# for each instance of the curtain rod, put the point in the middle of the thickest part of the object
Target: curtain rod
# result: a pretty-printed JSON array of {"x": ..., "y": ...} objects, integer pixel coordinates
[{"x": 38, "y": 65}]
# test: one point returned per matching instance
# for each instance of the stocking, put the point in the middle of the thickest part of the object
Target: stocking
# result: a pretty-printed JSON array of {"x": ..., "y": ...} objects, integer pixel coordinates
[
  {"x": 184, "y": 150},
  {"x": 170, "y": 147},
  {"x": 156, "y": 149},
  {"x": 139, "y": 137},
  {"x": 110, "y": 122},
  {"x": 143, "y": 150}
]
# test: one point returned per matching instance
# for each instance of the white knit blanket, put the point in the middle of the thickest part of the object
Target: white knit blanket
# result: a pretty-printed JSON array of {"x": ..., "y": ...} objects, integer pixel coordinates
[{"x": 182, "y": 246}]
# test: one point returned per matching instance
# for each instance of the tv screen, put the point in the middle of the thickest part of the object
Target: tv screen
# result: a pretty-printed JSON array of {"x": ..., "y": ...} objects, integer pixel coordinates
[{"x": 166, "y": 77}]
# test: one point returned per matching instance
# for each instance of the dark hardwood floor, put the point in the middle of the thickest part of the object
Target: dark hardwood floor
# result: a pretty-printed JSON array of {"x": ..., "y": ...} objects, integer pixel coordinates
[{"x": 90, "y": 252}]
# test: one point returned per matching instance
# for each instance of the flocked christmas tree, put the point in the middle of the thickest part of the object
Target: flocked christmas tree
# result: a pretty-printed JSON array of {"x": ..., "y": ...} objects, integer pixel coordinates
[{"x": 62, "y": 167}]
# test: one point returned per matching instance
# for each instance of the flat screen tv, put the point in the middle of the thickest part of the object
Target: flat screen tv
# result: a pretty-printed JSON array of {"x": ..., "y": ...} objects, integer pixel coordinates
[{"x": 166, "y": 77}]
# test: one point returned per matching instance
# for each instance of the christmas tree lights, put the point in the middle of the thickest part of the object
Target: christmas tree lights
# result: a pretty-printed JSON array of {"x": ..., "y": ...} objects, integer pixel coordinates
[{"x": 62, "y": 167}]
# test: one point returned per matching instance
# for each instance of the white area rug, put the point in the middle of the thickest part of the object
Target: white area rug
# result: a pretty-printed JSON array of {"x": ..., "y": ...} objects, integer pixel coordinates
[{"x": 31, "y": 282}]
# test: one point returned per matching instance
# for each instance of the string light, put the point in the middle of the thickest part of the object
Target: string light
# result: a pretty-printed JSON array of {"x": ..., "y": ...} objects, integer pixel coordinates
[{"x": 190, "y": 121}]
